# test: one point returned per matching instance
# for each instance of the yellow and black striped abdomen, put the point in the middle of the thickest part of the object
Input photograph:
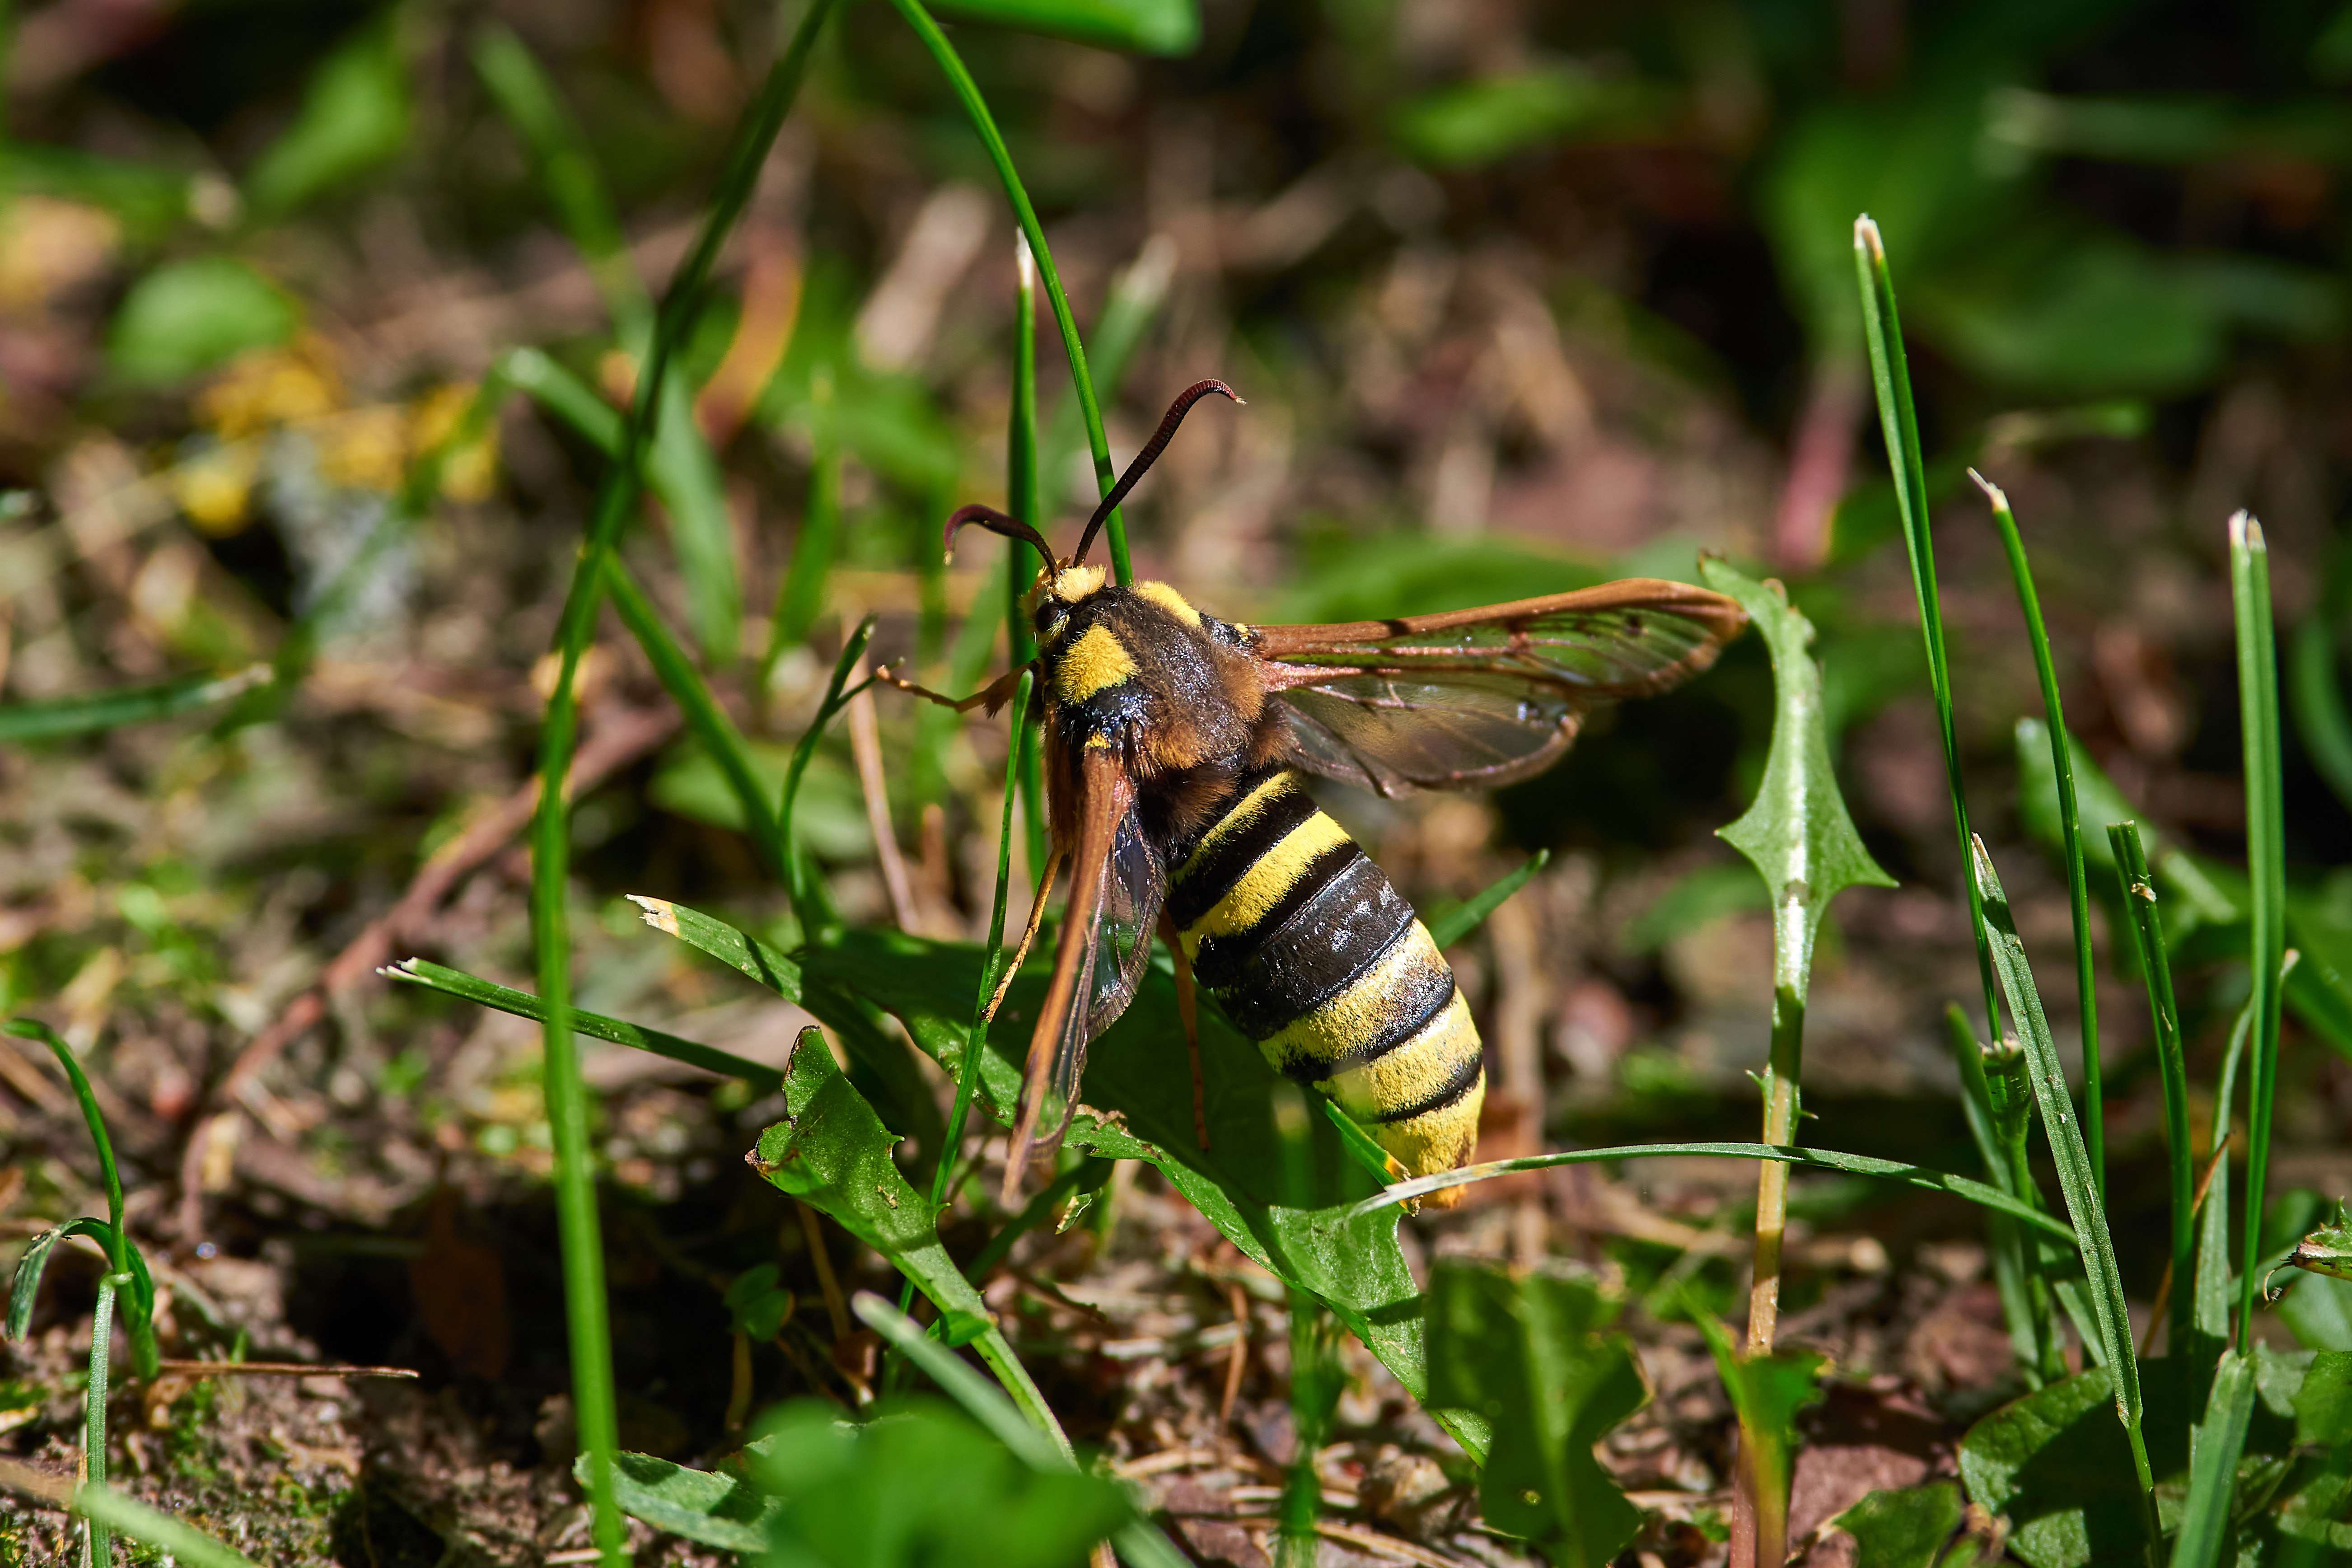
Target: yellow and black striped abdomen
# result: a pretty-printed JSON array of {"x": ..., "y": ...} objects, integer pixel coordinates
[{"x": 1314, "y": 955}]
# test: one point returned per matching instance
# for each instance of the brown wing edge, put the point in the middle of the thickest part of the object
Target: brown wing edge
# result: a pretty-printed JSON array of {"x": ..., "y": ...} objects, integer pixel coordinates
[{"x": 1687, "y": 600}]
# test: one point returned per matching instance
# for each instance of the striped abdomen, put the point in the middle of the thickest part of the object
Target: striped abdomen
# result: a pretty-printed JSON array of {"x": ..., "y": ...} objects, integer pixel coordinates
[{"x": 1315, "y": 956}]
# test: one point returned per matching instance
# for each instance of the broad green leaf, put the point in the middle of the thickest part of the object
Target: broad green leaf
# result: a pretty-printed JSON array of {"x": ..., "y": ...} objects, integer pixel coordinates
[
  {"x": 1145, "y": 27},
  {"x": 714, "y": 1509},
  {"x": 1767, "y": 1391},
  {"x": 1476, "y": 122},
  {"x": 2214, "y": 1450},
  {"x": 918, "y": 1483},
  {"x": 1797, "y": 832},
  {"x": 2328, "y": 1249},
  {"x": 1038, "y": 1444},
  {"x": 1904, "y": 1528},
  {"x": 1137, "y": 1103},
  {"x": 354, "y": 116},
  {"x": 2057, "y": 1464},
  {"x": 149, "y": 202},
  {"x": 187, "y": 317},
  {"x": 1534, "y": 1355},
  {"x": 2323, "y": 1405},
  {"x": 833, "y": 1151}
]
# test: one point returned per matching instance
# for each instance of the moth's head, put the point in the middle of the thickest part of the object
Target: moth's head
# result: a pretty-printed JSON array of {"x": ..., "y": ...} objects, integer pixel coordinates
[{"x": 1060, "y": 590}]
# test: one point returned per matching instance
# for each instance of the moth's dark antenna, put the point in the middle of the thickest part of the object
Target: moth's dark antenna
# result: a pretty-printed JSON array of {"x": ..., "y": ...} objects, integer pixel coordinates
[
  {"x": 1151, "y": 453},
  {"x": 996, "y": 522}
]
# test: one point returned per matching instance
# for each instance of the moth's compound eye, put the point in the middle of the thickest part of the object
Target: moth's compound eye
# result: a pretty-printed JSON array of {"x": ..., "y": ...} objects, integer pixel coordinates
[{"x": 1051, "y": 614}]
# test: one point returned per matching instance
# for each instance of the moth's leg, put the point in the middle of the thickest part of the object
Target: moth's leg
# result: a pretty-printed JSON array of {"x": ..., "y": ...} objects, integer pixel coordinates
[
  {"x": 1188, "y": 1010},
  {"x": 993, "y": 696},
  {"x": 1037, "y": 919}
]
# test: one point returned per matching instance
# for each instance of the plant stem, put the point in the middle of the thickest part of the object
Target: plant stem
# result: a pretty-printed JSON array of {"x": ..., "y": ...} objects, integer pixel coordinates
[
  {"x": 983, "y": 123},
  {"x": 1780, "y": 1077},
  {"x": 2250, "y": 593},
  {"x": 98, "y": 1541},
  {"x": 2156, "y": 967},
  {"x": 2078, "y": 887}
]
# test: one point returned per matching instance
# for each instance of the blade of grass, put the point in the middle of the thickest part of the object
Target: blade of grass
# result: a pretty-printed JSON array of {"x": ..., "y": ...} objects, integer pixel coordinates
[
  {"x": 2084, "y": 1207},
  {"x": 2008, "y": 1083},
  {"x": 984, "y": 124},
  {"x": 1974, "y": 1192},
  {"x": 1448, "y": 926},
  {"x": 800, "y": 593},
  {"x": 561, "y": 393},
  {"x": 2078, "y": 887},
  {"x": 1899, "y": 421},
  {"x": 704, "y": 716},
  {"x": 594, "y": 1405},
  {"x": 2156, "y": 967},
  {"x": 809, "y": 900},
  {"x": 2214, "y": 1444},
  {"x": 2249, "y": 597},
  {"x": 2320, "y": 721},
  {"x": 21, "y": 721},
  {"x": 129, "y": 1515},
  {"x": 685, "y": 472},
  {"x": 1139, "y": 1543},
  {"x": 1134, "y": 301},
  {"x": 1022, "y": 500},
  {"x": 596, "y": 1026},
  {"x": 97, "y": 1542},
  {"x": 124, "y": 1257}
]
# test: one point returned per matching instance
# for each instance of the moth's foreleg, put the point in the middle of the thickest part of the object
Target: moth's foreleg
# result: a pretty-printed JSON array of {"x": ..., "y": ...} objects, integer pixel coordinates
[{"x": 991, "y": 697}]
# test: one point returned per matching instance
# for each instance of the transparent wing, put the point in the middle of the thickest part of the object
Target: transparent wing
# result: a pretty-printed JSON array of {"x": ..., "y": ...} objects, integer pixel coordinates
[
  {"x": 1478, "y": 698},
  {"x": 1117, "y": 881},
  {"x": 1114, "y": 951}
]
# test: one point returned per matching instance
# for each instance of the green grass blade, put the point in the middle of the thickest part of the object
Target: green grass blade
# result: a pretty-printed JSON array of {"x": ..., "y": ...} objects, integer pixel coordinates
[
  {"x": 1899, "y": 421},
  {"x": 2156, "y": 967},
  {"x": 686, "y": 474},
  {"x": 1088, "y": 1175},
  {"x": 704, "y": 716},
  {"x": 2110, "y": 1314},
  {"x": 152, "y": 1527},
  {"x": 799, "y": 595},
  {"x": 1449, "y": 926},
  {"x": 594, "y": 1404},
  {"x": 567, "y": 171},
  {"x": 124, "y": 1256},
  {"x": 2078, "y": 887},
  {"x": 94, "y": 1402},
  {"x": 1974, "y": 1192},
  {"x": 2250, "y": 595},
  {"x": 1025, "y": 500},
  {"x": 596, "y": 1026},
  {"x": 2320, "y": 721},
  {"x": 984, "y": 124},
  {"x": 83, "y": 715},
  {"x": 34, "y": 1261},
  {"x": 807, "y": 894},
  {"x": 968, "y": 1077},
  {"x": 1136, "y": 297},
  {"x": 2214, "y": 1444},
  {"x": 2024, "y": 1303}
]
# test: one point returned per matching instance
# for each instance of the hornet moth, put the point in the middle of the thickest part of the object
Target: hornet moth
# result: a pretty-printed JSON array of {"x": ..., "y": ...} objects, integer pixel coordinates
[{"x": 1177, "y": 749}]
